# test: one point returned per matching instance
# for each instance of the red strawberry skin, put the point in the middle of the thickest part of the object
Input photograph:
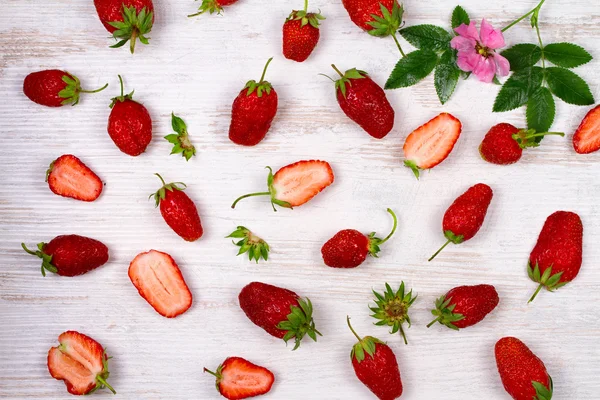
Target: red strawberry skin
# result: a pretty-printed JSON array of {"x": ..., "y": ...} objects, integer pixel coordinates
[
  {"x": 267, "y": 305},
  {"x": 466, "y": 215},
  {"x": 559, "y": 245},
  {"x": 130, "y": 127},
  {"x": 251, "y": 117},
  {"x": 74, "y": 255},
  {"x": 473, "y": 302},
  {"x": 112, "y": 10},
  {"x": 518, "y": 367},
  {"x": 346, "y": 249},
  {"x": 587, "y": 136},
  {"x": 181, "y": 214},
  {"x": 380, "y": 373},
  {"x": 43, "y": 87},
  {"x": 499, "y": 147},
  {"x": 366, "y": 104},
  {"x": 68, "y": 176},
  {"x": 360, "y": 11},
  {"x": 299, "y": 41}
]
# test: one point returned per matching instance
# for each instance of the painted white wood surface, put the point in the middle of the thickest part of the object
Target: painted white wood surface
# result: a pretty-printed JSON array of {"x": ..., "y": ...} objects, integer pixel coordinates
[{"x": 196, "y": 67}]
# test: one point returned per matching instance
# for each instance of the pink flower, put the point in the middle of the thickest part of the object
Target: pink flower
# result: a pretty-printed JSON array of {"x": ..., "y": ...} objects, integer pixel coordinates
[{"x": 476, "y": 51}]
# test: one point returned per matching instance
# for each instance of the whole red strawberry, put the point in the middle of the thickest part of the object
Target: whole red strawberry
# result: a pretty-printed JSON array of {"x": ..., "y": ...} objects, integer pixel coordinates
[
  {"x": 376, "y": 367},
  {"x": 280, "y": 312},
  {"x": 80, "y": 362},
  {"x": 465, "y": 216},
  {"x": 378, "y": 17},
  {"x": 556, "y": 258},
  {"x": 68, "y": 176},
  {"x": 70, "y": 255},
  {"x": 301, "y": 34},
  {"x": 349, "y": 248},
  {"x": 213, "y": 6},
  {"x": 54, "y": 88},
  {"x": 129, "y": 124},
  {"x": 127, "y": 20},
  {"x": 504, "y": 143},
  {"x": 178, "y": 210},
  {"x": 465, "y": 306},
  {"x": 523, "y": 375},
  {"x": 253, "y": 111},
  {"x": 364, "y": 102}
]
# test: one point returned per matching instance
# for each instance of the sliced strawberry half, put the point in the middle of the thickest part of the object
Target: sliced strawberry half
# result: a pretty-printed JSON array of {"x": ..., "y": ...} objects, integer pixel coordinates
[
  {"x": 238, "y": 378},
  {"x": 431, "y": 143},
  {"x": 158, "y": 279},
  {"x": 295, "y": 184},
  {"x": 81, "y": 362},
  {"x": 68, "y": 176},
  {"x": 587, "y": 137}
]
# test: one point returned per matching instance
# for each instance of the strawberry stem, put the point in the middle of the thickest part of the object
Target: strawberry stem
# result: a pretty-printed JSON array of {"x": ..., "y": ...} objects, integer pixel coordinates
[
  {"x": 541, "y": 285},
  {"x": 438, "y": 252},
  {"x": 262, "y": 77},
  {"x": 249, "y": 195},
  {"x": 133, "y": 39},
  {"x": 121, "y": 80},
  {"x": 434, "y": 321},
  {"x": 33, "y": 253},
  {"x": 94, "y": 91},
  {"x": 544, "y": 134},
  {"x": 398, "y": 44},
  {"x": 104, "y": 383},
  {"x": 337, "y": 70},
  {"x": 403, "y": 335},
  {"x": 305, "y": 6},
  {"x": 393, "y": 228},
  {"x": 210, "y": 372},
  {"x": 350, "y": 326},
  {"x": 161, "y": 178}
]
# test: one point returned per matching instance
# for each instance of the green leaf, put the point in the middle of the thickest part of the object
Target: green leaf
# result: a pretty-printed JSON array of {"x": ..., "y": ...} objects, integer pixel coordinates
[
  {"x": 429, "y": 37},
  {"x": 522, "y": 56},
  {"x": 446, "y": 76},
  {"x": 412, "y": 68},
  {"x": 568, "y": 86},
  {"x": 567, "y": 55},
  {"x": 459, "y": 17},
  {"x": 516, "y": 90},
  {"x": 540, "y": 111}
]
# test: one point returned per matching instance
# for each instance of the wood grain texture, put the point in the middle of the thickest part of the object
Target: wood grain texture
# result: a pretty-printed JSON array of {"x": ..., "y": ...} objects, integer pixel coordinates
[{"x": 196, "y": 67}]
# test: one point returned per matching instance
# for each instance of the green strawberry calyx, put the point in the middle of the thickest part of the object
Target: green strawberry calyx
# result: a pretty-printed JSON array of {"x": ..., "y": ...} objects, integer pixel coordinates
[
  {"x": 305, "y": 17},
  {"x": 413, "y": 166},
  {"x": 272, "y": 193},
  {"x": 388, "y": 23},
  {"x": 134, "y": 26},
  {"x": 162, "y": 192},
  {"x": 123, "y": 96},
  {"x": 452, "y": 238},
  {"x": 256, "y": 247},
  {"x": 180, "y": 140},
  {"x": 547, "y": 279},
  {"x": 530, "y": 138},
  {"x": 375, "y": 242},
  {"x": 366, "y": 345},
  {"x": 212, "y": 6},
  {"x": 444, "y": 313},
  {"x": 260, "y": 86},
  {"x": 541, "y": 391},
  {"x": 71, "y": 92},
  {"x": 103, "y": 376},
  {"x": 217, "y": 374},
  {"x": 392, "y": 308},
  {"x": 346, "y": 78},
  {"x": 299, "y": 323},
  {"x": 46, "y": 258}
]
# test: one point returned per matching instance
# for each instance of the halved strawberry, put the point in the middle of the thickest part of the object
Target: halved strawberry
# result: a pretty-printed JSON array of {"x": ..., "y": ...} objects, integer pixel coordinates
[
  {"x": 159, "y": 281},
  {"x": 81, "y": 362},
  {"x": 238, "y": 378},
  {"x": 295, "y": 184},
  {"x": 587, "y": 136},
  {"x": 68, "y": 176},
  {"x": 431, "y": 143}
]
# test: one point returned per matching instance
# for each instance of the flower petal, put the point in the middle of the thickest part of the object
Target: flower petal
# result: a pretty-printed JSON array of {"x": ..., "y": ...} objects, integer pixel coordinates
[
  {"x": 485, "y": 70},
  {"x": 490, "y": 37},
  {"x": 468, "y": 31},
  {"x": 462, "y": 43},
  {"x": 468, "y": 61},
  {"x": 502, "y": 65}
]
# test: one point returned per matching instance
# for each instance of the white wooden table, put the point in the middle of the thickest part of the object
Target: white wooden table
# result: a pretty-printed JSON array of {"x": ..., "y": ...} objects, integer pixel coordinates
[{"x": 196, "y": 67}]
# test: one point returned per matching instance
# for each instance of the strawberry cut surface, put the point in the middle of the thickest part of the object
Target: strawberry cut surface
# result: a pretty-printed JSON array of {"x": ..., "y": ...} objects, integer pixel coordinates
[
  {"x": 297, "y": 183},
  {"x": 587, "y": 137},
  {"x": 238, "y": 379},
  {"x": 68, "y": 176},
  {"x": 159, "y": 281}
]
